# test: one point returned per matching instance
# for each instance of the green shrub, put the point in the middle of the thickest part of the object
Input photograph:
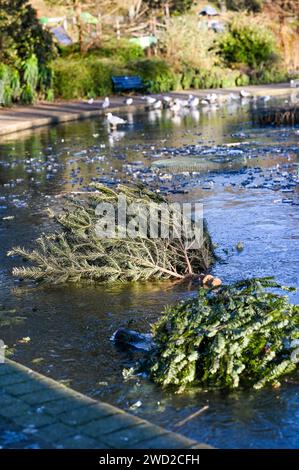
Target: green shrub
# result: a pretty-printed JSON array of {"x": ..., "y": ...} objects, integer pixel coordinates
[
  {"x": 185, "y": 44},
  {"x": 28, "y": 94},
  {"x": 247, "y": 43},
  {"x": 9, "y": 85},
  {"x": 26, "y": 48},
  {"x": 121, "y": 50},
  {"x": 72, "y": 79},
  {"x": 156, "y": 73},
  {"x": 243, "y": 80},
  {"x": 216, "y": 77},
  {"x": 249, "y": 5},
  {"x": 188, "y": 77},
  {"x": 270, "y": 75},
  {"x": 101, "y": 77},
  {"x": 229, "y": 78}
]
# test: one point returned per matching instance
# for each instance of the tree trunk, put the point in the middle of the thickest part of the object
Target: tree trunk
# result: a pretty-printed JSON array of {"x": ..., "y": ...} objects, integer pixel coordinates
[{"x": 78, "y": 11}]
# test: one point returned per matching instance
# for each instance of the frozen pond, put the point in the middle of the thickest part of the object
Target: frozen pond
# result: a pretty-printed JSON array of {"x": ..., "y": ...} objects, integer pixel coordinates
[{"x": 247, "y": 179}]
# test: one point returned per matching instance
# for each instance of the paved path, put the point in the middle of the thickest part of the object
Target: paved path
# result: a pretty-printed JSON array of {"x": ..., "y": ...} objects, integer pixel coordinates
[
  {"x": 38, "y": 412},
  {"x": 29, "y": 117}
]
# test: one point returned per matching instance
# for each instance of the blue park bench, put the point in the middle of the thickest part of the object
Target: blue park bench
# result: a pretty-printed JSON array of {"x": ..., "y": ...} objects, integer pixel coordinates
[{"x": 126, "y": 83}]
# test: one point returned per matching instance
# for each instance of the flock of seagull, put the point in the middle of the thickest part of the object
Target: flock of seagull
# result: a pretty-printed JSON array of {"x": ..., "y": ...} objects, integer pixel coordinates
[{"x": 178, "y": 105}]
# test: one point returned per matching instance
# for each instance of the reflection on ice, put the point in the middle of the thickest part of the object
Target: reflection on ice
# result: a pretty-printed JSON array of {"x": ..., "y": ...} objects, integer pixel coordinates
[{"x": 115, "y": 136}]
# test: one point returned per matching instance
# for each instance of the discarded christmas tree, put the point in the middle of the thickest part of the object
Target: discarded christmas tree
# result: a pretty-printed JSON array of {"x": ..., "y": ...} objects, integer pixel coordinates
[
  {"x": 77, "y": 253},
  {"x": 239, "y": 335}
]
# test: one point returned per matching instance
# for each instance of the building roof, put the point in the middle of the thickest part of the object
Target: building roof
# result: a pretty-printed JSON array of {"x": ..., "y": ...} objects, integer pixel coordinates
[{"x": 209, "y": 11}]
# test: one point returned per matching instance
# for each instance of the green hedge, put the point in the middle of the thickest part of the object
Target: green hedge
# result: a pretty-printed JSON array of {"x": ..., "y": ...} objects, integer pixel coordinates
[
  {"x": 156, "y": 73},
  {"x": 247, "y": 43},
  {"x": 90, "y": 76}
]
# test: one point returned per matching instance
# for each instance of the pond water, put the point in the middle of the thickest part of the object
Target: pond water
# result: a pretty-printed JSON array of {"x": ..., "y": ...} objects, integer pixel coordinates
[{"x": 247, "y": 179}]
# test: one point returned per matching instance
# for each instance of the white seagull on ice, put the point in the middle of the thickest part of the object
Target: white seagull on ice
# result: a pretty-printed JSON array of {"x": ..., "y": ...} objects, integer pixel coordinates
[
  {"x": 106, "y": 103},
  {"x": 114, "y": 121}
]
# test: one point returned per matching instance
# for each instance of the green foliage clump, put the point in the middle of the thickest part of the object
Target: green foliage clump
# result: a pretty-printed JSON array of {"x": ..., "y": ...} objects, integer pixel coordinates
[
  {"x": 269, "y": 75},
  {"x": 9, "y": 85},
  {"x": 73, "y": 79},
  {"x": 249, "y": 5},
  {"x": 216, "y": 77},
  {"x": 90, "y": 76},
  {"x": 119, "y": 50},
  {"x": 86, "y": 76},
  {"x": 78, "y": 253},
  {"x": 26, "y": 49},
  {"x": 156, "y": 73},
  {"x": 239, "y": 335},
  {"x": 186, "y": 43},
  {"x": 247, "y": 43}
]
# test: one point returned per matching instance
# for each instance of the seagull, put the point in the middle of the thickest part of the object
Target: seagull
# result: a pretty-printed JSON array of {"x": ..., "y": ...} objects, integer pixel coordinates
[
  {"x": 90, "y": 101},
  {"x": 193, "y": 101},
  {"x": 114, "y": 121},
  {"x": 167, "y": 101},
  {"x": 175, "y": 107},
  {"x": 184, "y": 103},
  {"x": 244, "y": 94},
  {"x": 233, "y": 97},
  {"x": 211, "y": 98},
  {"x": 157, "y": 104},
  {"x": 150, "y": 100},
  {"x": 265, "y": 98},
  {"x": 106, "y": 103},
  {"x": 128, "y": 101}
]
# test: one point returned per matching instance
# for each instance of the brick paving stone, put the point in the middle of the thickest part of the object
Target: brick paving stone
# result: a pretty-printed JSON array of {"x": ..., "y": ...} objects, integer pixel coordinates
[
  {"x": 11, "y": 379},
  {"x": 125, "y": 438},
  {"x": 107, "y": 425},
  {"x": 55, "y": 432},
  {"x": 45, "y": 414},
  {"x": 40, "y": 397},
  {"x": 84, "y": 415},
  {"x": 6, "y": 369},
  {"x": 6, "y": 400},
  {"x": 24, "y": 388},
  {"x": 61, "y": 405},
  {"x": 17, "y": 409},
  {"x": 34, "y": 418},
  {"x": 81, "y": 442}
]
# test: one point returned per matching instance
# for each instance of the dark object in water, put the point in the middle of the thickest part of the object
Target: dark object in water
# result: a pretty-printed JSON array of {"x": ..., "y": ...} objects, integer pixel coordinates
[
  {"x": 133, "y": 339},
  {"x": 288, "y": 115}
]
